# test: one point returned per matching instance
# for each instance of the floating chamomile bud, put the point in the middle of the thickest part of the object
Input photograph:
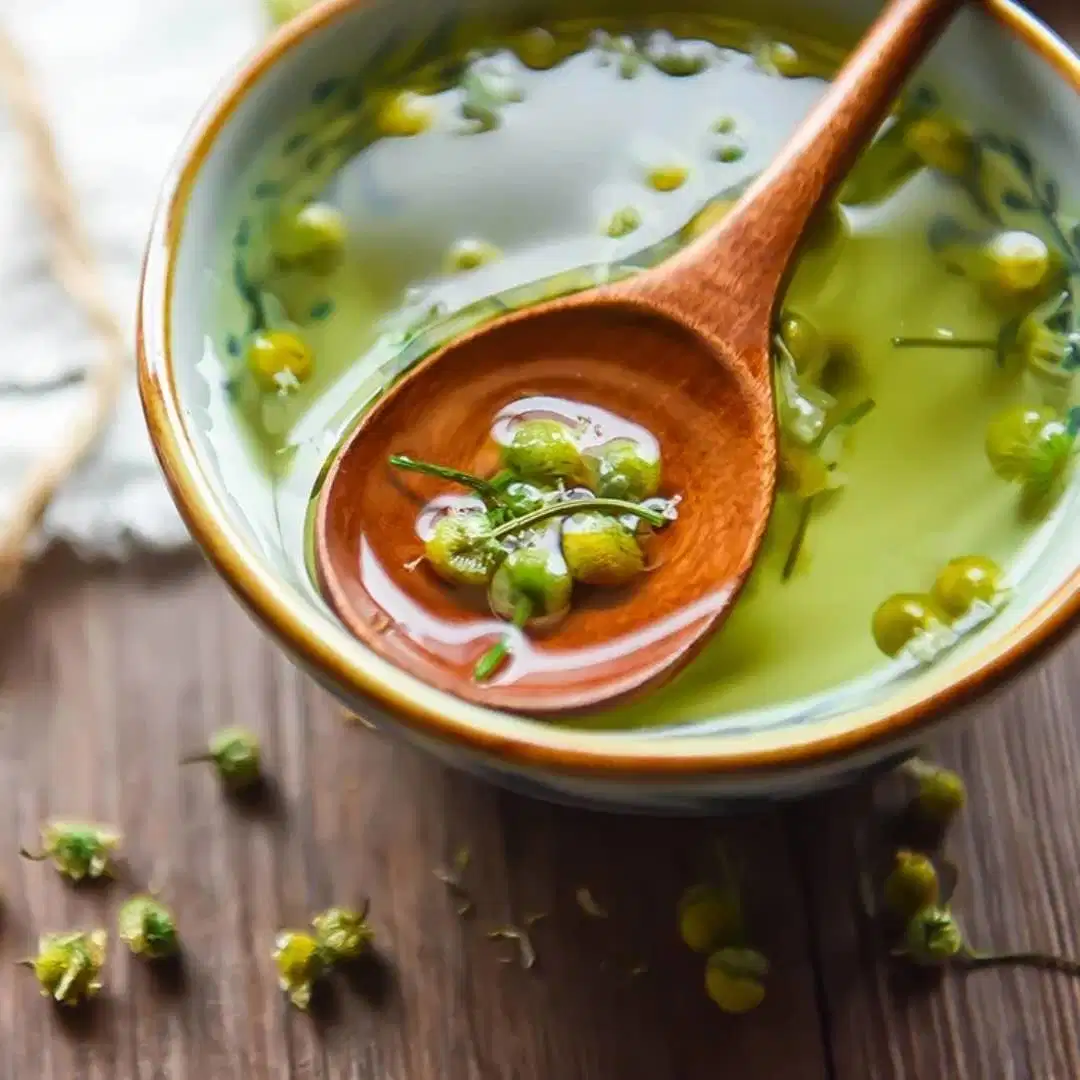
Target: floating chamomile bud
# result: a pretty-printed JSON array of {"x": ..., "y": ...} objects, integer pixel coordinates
[
  {"x": 77, "y": 850},
  {"x": 601, "y": 550},
  {"x": 533, "y": 584},
  {"x": 311, "y": 238},
  {"x": 148, "y": 928},
  {"x": 1023, "y": 443},
  {"x": 544, "y": 450},
  {"x": 912, "y": 884},
  {"x": 932, "y": 937},
  {"x": 806, "y": 344},
  {"x": 904, "y": 617},
  {"x": 730, "y": 154},
  {"x": 279, "y": 359},
  {"x": 403, "y": 114},
  {"x": 965, "y": 581},
  {"x": 343, "y": 934},
  {"x": 667, "y": 177},
  {"x": 735, "y": 979},
  {"x": 68, "y": 966},
  {"x": 1018, "y": 262},
  {"x": 712, "y": 213},
  {"x": 710, "y": 917},
  {"x": 461, "y": 549},
  {"x": 726, "y": 125},
  {"x": 300, "y": 962},
  {"x": 235, "y": 754},
  {"x": 676, "y": 58},
  {"x": 468, "y": 255},
  {"x": 536, "y": 49},
  {"x": 623, "y": 222},
  {"x": 622, "y": 469},
  {"x": 940, "y": 145},
  {"x": 779, "y": 58},
  {"x": 803, "y": 472}
]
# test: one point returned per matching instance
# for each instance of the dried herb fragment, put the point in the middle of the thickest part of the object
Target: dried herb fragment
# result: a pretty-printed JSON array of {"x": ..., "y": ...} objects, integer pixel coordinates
[
  {"x": 236, "y": 755},
  {"x": 588, "y": 904},
  {"x": 148, "y": 928},
  {"x": 526, "y": 952},
  {"x": 77, "y": 850},
  {"x": 300, "y": 963},
  {"x": 343, "y": 933},
  {"x": 68, "y": 966}
]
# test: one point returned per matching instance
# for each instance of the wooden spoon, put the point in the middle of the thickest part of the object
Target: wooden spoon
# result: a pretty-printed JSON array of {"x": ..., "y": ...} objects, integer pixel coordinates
[{"x": 683, "y": 350}]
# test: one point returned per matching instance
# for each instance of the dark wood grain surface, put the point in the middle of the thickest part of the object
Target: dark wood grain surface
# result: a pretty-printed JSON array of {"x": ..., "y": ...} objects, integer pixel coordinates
[{"x": 108, "y": 678}]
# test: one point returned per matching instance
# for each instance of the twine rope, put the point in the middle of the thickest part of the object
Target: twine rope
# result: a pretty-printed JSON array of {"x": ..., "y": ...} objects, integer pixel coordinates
[{"x": 77, "y": 271}]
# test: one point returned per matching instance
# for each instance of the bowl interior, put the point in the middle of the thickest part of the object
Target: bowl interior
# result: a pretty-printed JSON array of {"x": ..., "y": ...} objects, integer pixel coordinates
[{"x": 986, "y": 76}]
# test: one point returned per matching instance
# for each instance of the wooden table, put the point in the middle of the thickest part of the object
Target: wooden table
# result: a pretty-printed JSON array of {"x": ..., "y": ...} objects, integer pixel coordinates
[{"x": 109, "y": 677}]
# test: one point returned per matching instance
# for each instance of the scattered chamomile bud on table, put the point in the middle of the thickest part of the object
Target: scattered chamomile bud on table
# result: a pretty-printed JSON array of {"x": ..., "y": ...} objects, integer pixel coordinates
[
  {"x": 735, "y": 979},
  {"x": 622, "y": 223},
  {"x": 148, "y": 928},
  {"x": 236, "y": 755},
  {"x": 77, "y": 850},
  {"x": 940, "y": 793},
  {"x": 932, "y": 937},
  {"x": 710, "y": 917},
  {"x": 667, "y": 177},
  {"x": 912, "y": 884},
  {"x": 343, "y": 934},
  {"x": 68, "y": 966},
  {"x": 301, "y": 962}
]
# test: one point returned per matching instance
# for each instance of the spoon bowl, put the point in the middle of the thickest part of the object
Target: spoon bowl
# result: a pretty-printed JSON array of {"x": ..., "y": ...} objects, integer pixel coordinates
[
  {"x": 708, "y": 419},
  {"x": 683, "y": 350}
]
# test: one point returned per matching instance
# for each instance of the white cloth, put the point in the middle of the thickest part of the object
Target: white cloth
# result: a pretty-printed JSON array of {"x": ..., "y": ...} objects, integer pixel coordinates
[{"x": 122, "y": 81}]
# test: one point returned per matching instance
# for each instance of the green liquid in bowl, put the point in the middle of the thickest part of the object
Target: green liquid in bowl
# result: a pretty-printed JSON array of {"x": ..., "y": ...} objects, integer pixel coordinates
[{"x": 510, "y": 181}]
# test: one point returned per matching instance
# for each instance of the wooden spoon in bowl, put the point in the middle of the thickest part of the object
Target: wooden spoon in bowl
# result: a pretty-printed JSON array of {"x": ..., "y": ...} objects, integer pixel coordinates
[{"x": 684, "y": 350}]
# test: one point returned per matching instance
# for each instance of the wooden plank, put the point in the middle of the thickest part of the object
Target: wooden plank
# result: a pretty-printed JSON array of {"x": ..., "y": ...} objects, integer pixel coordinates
[
  {"x": 1019, "y": 856},
  {"x": 108, "y": 680}
]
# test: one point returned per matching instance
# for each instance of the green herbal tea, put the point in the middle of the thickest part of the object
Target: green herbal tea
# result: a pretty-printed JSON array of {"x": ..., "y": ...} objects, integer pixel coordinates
[{"x": 923, "y": 352}]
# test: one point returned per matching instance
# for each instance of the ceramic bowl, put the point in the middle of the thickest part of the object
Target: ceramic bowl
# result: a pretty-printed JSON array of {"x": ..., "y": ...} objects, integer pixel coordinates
[{"x": 998, "y": 69}]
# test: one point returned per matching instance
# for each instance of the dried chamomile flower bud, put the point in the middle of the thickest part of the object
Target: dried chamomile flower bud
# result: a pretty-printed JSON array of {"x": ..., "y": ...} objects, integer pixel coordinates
[
  {"x": 148, "y": 928},
  {"x": 941, "y": 793},
  {"x": 300, "y": 962},
  {"x": 78, "y": 850},
  {"x": 710, "y": 917},
  {"x": 932, "y": 938},
  {"x": 343, "y": 934},
  {"x": 734, "y": 979},
  {"x": 911, "y": 885},
  {"x": 235, "y": 753},
  {"x": 68, "y": 966}
]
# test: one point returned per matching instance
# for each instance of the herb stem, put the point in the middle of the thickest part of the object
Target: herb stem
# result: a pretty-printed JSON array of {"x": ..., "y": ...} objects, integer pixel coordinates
[
  {"x": 493, "y": 659},
  {"x": 943, "y": 343},
  {"x": 1042, "y": 961},
  {"x": 799, "y": 538},
  {"x": 478, "y": 484},
  {"x": 575, "y": 506}
]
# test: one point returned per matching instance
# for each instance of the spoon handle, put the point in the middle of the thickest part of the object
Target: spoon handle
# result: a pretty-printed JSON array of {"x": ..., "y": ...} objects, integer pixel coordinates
[{"x": 721, "y": 283}]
